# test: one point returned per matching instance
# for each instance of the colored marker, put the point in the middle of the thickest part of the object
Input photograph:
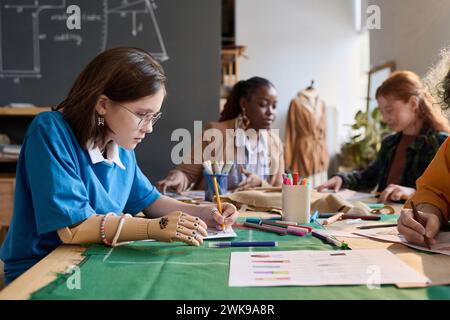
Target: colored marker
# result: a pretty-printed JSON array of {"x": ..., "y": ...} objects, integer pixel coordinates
[
  {"x": 331, "y": 240},
  {"x": 314, "y": 216},
  {"x": 295, "y": 178},
  {"x": 273, "y": 229},
  {"x": 243, "y": 244}
]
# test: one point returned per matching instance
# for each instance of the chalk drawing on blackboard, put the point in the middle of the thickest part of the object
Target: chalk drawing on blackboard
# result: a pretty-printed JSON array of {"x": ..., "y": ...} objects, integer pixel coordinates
[
  {"x": 139, "y": 13},
  {"x": 145, "y": 10},
  {"x": 34, "y": 8}
]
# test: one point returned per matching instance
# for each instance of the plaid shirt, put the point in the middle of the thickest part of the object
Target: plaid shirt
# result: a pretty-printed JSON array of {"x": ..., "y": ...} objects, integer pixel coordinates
[{"x": 418, "y": 156}]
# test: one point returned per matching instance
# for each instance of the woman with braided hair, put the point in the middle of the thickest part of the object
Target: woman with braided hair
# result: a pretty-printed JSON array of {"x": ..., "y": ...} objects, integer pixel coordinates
[{"x": 250, "y": 108}]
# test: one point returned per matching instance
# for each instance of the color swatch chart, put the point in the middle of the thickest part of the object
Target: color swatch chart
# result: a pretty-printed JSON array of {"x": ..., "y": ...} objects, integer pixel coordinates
[{"x": 316, "y": 268}]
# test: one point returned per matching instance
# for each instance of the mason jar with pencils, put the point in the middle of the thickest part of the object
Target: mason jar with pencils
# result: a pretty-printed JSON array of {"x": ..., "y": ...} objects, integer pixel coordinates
[{"x": 296, "y": 199}]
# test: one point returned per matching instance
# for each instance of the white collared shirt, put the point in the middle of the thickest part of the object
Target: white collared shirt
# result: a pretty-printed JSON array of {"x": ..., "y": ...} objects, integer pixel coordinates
[{"x": 112, "y": 152}]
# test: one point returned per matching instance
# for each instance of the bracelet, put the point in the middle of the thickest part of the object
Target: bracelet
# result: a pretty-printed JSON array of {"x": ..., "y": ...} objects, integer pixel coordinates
[
  {"x": 119, "y": 230},
  {"x": 102, "y": 230}
]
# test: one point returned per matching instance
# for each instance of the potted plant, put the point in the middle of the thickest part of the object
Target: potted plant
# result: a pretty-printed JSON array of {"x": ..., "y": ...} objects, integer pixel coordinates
[{"x": 361, "y": 150}]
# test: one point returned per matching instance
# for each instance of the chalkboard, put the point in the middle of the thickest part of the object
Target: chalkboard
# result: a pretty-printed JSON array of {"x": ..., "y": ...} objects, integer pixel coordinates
[{"x": 40, "y": 56}]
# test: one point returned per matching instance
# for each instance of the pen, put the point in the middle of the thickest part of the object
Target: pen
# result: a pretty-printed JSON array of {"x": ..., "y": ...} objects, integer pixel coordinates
[
  {"x": 243, "y": 244},
  {"x": 350, "y": 216},
  {"x": 419, "y": 220},
  {"x": 362, "y": 217},
  {"x": 331, "y": 240},
  {"x": 377, "y": 226}
]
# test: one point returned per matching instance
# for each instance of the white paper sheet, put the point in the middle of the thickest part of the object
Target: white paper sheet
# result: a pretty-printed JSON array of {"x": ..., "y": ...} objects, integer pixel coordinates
[
  {"x": 220, "y": 234},
  {"x": 319, "y": 268},
  {"x": 391, "y": 234}
]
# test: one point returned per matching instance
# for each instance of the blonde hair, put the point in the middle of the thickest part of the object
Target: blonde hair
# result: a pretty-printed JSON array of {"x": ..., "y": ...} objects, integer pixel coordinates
[
  {"x": 437, "y": 80},
  {"x": 403, "y": 85}
]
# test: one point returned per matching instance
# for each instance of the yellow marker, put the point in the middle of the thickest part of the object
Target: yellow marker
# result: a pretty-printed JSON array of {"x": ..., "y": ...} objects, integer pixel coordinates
[{"x": 219, "y": 204}]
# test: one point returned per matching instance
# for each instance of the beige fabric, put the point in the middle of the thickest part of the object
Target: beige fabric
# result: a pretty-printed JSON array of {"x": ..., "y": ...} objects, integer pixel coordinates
[
  {"x": 306, "y": 147},
  {"x": 255, "y": 199},
  {"x": 334, "y": 203},
  {"x": 226, "y": 148}
]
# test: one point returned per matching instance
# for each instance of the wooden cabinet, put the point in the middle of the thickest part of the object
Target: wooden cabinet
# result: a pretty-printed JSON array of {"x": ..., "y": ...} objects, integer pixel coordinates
[
  {"x": 7, "y": 166},
  {"x": 7, "y": 186}
]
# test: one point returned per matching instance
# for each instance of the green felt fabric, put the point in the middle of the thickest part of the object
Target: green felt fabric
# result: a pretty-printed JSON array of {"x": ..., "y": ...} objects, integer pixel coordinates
[{"x": 150, "y": 270}]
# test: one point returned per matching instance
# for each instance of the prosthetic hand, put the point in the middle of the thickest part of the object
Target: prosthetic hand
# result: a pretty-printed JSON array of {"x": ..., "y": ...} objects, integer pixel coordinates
[
  {"x": 178, "y": 226},
  {"x": 110, "y": 229}
]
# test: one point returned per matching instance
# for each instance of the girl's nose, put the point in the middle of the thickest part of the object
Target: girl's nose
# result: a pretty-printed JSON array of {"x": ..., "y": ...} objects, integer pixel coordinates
[{"x": 148, "y": 128}]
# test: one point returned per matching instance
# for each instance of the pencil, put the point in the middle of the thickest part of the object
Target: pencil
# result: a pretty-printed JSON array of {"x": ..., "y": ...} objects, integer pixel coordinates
[
  {"x": 333, "y": 219},
  {"x": 219, "y": 204},
  {"x": 419, "y": 220}
]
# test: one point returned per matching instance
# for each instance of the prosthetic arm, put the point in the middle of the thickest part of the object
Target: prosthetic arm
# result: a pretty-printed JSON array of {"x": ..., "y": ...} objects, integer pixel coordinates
[{"x": 110, "y": 229}]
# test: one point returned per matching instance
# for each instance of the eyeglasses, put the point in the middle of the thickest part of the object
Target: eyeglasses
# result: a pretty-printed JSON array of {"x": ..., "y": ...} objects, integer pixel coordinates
[{"x": 145, "y": 120}]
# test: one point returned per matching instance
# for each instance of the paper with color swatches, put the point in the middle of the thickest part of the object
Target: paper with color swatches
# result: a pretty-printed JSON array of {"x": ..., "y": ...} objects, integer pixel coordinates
[{"x": 319, "y": 268}]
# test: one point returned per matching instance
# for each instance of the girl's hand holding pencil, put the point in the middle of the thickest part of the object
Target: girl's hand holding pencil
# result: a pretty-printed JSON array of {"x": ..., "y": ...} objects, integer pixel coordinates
[{"x": 214, "y": 219}]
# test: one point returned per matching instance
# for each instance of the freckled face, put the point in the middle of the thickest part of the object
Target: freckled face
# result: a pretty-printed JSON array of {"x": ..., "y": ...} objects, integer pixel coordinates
[{"x": 397, "y": 114}]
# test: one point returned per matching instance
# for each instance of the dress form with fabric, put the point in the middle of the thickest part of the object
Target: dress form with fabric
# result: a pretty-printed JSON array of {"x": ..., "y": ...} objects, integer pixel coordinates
[{"x": 306, "y": 149}]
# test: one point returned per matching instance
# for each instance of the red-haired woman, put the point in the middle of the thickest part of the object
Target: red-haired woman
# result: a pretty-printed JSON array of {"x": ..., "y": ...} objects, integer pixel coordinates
[{"x": 420, "y": 129}]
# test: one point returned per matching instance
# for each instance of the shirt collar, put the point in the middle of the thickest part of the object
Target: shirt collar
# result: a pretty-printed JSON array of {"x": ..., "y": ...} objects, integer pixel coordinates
[{"x": 112, "y": 151}]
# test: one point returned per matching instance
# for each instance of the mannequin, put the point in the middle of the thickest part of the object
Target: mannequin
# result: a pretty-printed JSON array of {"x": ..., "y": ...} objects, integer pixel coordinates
[{"x": 306, "y": 147}]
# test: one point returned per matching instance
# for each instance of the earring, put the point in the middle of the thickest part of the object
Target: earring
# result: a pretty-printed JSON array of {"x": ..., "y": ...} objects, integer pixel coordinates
[
  {"x": 100, "y": 121},
  {"x": 245, "y": 119}
]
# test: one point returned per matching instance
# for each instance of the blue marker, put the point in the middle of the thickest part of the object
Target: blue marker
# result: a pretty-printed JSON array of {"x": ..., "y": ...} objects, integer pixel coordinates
[
  {"x": 314, "y": 216},
  {"x": 242, "y": 244}
]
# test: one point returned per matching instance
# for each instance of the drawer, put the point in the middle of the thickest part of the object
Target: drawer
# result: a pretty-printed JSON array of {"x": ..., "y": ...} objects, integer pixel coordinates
[{"x": 7, "y": 186}]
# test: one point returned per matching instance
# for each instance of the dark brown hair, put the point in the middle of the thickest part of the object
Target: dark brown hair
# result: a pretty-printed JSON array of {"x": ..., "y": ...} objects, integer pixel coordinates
[
  {"x": 444, "y": 91},
  {"x": 122, "y": 74},
  {"x": 402, "y": 85},
  {"x": 243, "y": 88}
]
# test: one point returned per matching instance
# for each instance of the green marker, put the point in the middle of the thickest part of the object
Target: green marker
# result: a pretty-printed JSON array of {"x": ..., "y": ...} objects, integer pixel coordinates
[{"x": 375, "y": 205}]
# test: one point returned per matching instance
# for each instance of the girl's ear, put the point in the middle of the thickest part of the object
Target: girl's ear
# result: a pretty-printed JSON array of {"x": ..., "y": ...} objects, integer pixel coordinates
[
  {"x": 414, "y": 102},
  {"x": 101, "y": 105},
  {"x": 243, "y": 103}
]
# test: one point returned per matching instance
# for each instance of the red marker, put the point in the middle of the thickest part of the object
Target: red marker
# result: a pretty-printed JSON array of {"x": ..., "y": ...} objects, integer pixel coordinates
[{"x": 295, "y": 178}]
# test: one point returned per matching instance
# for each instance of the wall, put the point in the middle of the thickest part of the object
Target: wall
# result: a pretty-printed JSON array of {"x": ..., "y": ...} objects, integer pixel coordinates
[
  {"x": 412, "y": 33},
  {"x": 291, "y": 42}
]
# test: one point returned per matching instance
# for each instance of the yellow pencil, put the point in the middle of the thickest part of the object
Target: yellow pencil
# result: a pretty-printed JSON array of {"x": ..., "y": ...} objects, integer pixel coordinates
[{"x": 219, "y": 204}]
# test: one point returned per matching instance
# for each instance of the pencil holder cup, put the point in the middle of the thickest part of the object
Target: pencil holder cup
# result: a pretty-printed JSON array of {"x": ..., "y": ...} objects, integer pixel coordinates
[
  {"x": 296, "y": 202},
  {"x": 222, "y": 185}
]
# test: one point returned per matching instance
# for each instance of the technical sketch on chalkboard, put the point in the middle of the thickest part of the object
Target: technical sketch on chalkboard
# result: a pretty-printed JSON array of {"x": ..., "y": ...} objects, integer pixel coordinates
[{"x": 34, "y": 24}]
